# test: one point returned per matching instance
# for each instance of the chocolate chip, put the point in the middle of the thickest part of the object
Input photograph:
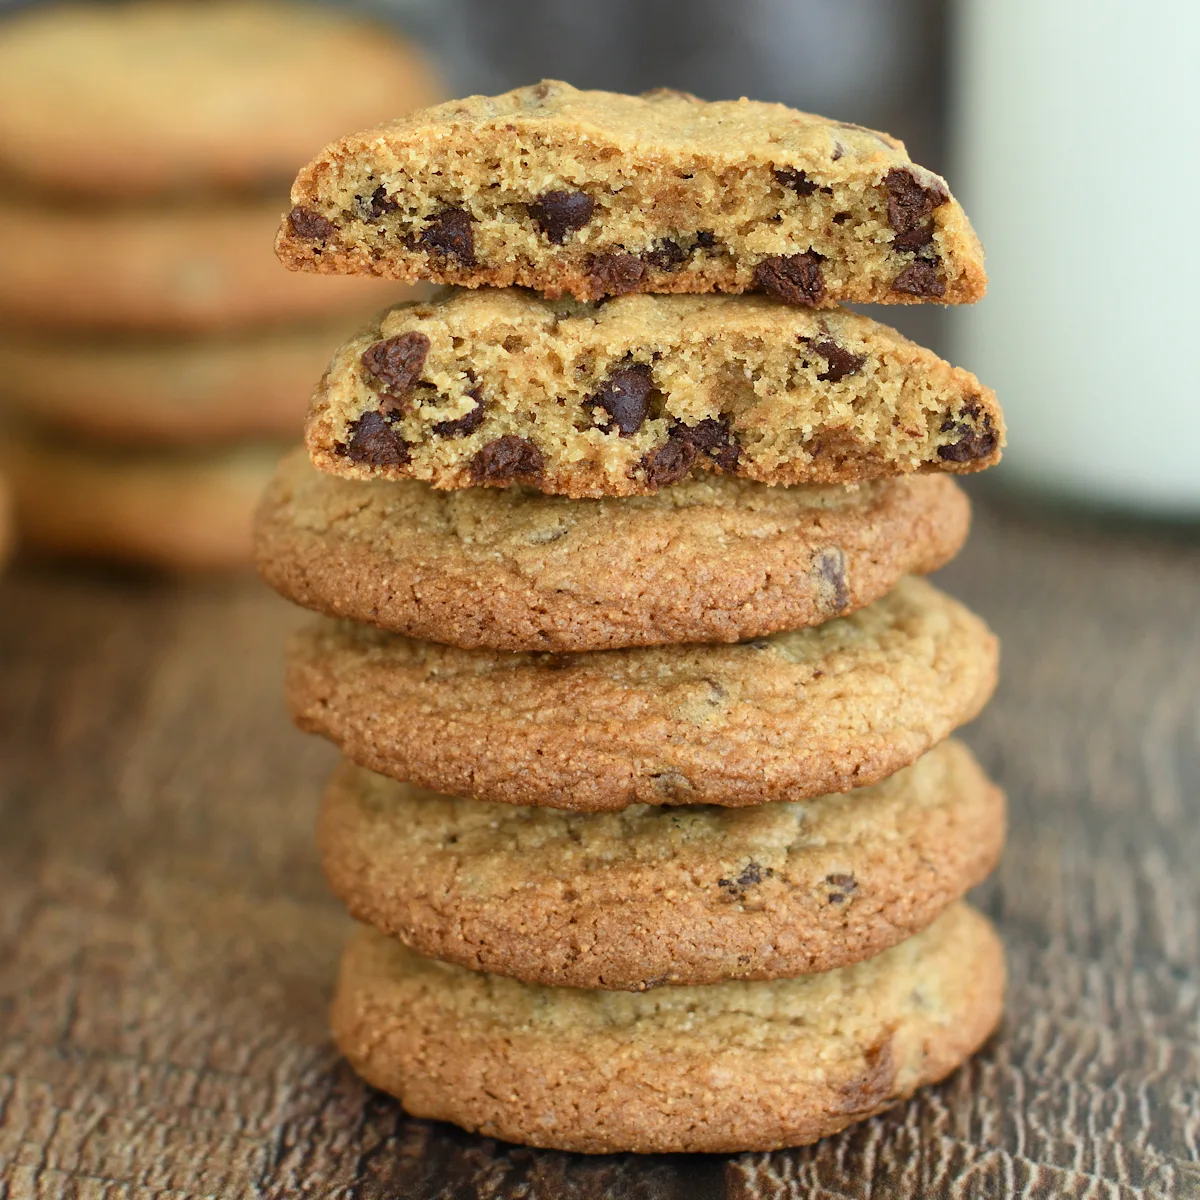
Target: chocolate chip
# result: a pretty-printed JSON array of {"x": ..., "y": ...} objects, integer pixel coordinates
[
  {"x": 674, "y": 459},
  {"x": 625, "y": 396},
  {"x": 920, "y": 278},
  {"x": 506, "y": 459},
  {"x": 750, "y": 874},
  {"x": 379, "y": 205},
  {"x": 794, "y": 278},
  {"x": 973, "y": 440},
  {"x": 374, "y": 442},
  {"x": 713, "y": 437},
  {"x": 705, "y": 239},
  {"x": 466, "y": 425},
  {"x": 449, "y": 232},
  {"x": 840, "y": 362},
  {"x": 304, "y": 223},
  {"x": 615, "y": 274},
  {"x": 910, "y": 208},
  {"x": 397, "y": 362},
  {"x": 874, "y": 1086},
  {"x": 840, "y": 218},
  {"x": 845, "y": 883},
  {"x": 558, "y": 213},
  {"x": 829, "y": 572},
  {"x": 838, "y": 151},
  {"x": 914, "y": 239},
  {"x": 666, "y": 255},
  {"x": 910, "y": 203},
  {"x": 670, "y": 462},
  {"x": 798, "y": 181}
]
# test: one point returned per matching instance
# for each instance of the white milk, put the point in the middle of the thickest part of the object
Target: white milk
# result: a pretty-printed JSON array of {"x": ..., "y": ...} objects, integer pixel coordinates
[{"x": 1077, "y": 144}]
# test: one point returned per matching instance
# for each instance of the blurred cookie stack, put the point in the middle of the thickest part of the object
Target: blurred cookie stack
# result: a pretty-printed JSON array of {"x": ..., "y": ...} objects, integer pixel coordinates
[
  {"x": 649, "y": 805},
  {"x": 153, "y": 359}
]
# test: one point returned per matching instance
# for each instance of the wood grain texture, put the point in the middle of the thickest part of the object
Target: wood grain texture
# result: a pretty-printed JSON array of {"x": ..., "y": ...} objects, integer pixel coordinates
[{"x": 167, "y": 946}]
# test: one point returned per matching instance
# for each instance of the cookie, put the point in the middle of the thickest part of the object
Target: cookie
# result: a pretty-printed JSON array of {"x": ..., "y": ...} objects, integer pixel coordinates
[
  {"x": 180, "y": 512},
  {"x": 6, "y": 523},
  {"x": 649, "y": 896},
  {"x": 783, "y": 717},
  {"x": 178, "y": 269},
  {"x": 711, "y": 559},
  {"x": 598, "y": 194},
  {"x": 178, "y": 392},
  {"x": 720, "y": 1068},
  {"x": 624, "y": 397},
  {"x": 143, "y": 99}
]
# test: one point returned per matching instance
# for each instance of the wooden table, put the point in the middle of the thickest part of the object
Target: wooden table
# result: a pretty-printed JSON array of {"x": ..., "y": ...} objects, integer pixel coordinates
[{"x": 167, "y": 945}]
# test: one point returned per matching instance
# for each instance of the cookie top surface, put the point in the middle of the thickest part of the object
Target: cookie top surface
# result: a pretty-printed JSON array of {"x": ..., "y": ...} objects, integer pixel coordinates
[
  {"x": 647, "y": 896},
  {"x": 596, "y": 194},
  {"x": 783, "y": 717},
  {"x": 712, "y": 558},
  {"x": 152, "y": 97},
  {"x": 587, "y": 399},
  {"x": 723, "y": 1067}
]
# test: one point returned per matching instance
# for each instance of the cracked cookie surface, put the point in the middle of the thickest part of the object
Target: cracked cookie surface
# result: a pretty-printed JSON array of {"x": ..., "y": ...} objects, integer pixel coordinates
[
  {"x": 783, "y": 717},
  {"x": 599, "y": 194},
  {"x": 712, "y": 558},
  {"x": 741, "y": 1065},
  {"x": 648, "y": 896},
  {"x": 491, "y": 387}
]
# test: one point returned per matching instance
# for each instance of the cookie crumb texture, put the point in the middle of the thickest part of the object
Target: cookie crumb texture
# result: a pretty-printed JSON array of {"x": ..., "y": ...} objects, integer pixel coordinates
[
  {"x": 785, "y": 717},
  {"x": 726, "y": 1067},
  {"x": 598, "y": 194},
  {"x": 495, "y": 387},
  {"x": 648, "y": 896},
  {"x": 711, "y": 559}
]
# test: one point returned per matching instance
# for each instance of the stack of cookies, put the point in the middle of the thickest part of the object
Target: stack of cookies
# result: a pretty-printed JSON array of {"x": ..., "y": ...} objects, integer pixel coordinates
[
  {"x": 154, "y": 360},
  {"x": 649, "y": 807}
]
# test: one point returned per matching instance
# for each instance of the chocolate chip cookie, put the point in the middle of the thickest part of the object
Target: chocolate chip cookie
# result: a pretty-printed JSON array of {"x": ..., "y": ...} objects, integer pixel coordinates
[
  {"x": 182, "y": 511},
  {"x": 150, "y": 392},
  {"x": 650, "y": 896},
  {"x": 145, "y": 98},
  {"x": 720, "y": 1068},
  {"x": 783, "y": 717},
  {"x": 713, "y": 558},
  {"x": 599, "y": 194},
  {"x": 177, "y": 269},
  {"x": 495, "y": 386}
]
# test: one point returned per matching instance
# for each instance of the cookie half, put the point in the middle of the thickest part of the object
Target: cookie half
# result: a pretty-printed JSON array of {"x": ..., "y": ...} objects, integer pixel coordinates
[
  {"x": 599, "y": 194},
  {"x": 720, "y": 1068},
  {"x": 495, "y": 387},
  {"x": 783, "y": 717},
  {"x": 650, "y": 896},
  {"x": 177, "y": 269},
  {"x": 183, "y": 511},
  {"x": 178, "y": 392},
  {"x": 711, "y": 559},
  {"x": 146, "y": 98}
]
